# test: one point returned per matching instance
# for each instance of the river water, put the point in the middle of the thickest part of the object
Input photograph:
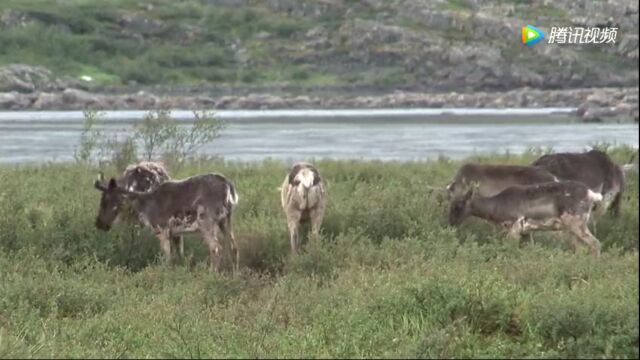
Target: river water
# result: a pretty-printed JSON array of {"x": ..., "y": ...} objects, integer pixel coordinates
[{"x": 384, "y": 134}]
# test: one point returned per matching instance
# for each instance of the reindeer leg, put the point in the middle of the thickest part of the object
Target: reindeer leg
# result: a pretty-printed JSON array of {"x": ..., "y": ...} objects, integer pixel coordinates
[
  {"x": 317, "y": 215},
  {"x": 593, "y": 242},
  {"x": 293, "y": 222},
  {"x": 596, "y": 212},
  {"x": 178, "y": 244},
  {"x": 614, "y": 208},
  {"x": 574, "y": 244},
  {"x": 525, "y": 229},
  {"x": 165, "y": 244},
  {"x": 525, "y": 238},
  {"x": 294, "y": 237},
  {"x": 227, "y": 228},
  {"x": 578, "y": 227},
  {"x": 517, "y": 230},
  {"x": 210, "y": 235}
]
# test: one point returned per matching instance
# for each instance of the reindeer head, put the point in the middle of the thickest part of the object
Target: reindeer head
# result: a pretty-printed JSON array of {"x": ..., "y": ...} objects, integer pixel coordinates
[
  {"x": 460, "y": 208},
  {"x": 110, "y": 202}
]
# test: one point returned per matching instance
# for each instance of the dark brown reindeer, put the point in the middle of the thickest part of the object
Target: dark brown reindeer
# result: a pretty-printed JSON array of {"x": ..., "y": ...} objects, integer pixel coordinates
[
  {"x": 143, "y": 176},
  {"x": 489, "y": 179},
  {"x": 564, "y": 205},
  {"x": 595, "y": 169},
  {"x": 202, "y": 203}
]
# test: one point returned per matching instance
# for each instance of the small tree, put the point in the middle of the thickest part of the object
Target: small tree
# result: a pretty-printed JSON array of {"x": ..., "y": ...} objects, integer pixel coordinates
[
  {"x": 158, "y": 134},
  {"x": 89, "y": 137},
  {"x": 122, "y": 152},
  {"x": 154, "y": 131},
  {"x": 186, "y": 141}
]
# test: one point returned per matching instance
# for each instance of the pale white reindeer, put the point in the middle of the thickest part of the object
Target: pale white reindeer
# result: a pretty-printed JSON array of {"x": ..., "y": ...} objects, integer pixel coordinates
[{"x": 303, "y": 197}]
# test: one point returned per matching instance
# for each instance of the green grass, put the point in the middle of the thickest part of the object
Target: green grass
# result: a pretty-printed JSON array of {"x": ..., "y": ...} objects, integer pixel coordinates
[{"x": 387, "y": 278}]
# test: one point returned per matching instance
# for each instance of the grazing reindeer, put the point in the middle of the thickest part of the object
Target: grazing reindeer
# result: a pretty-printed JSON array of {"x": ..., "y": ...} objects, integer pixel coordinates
[
  {"x": 564, "y": 205},
  {"x": 596, "y": 170},
  {"x": 303, "y": 198},
  {"x": 491, "y": 179},
  {"x": 201, "y": 203},
  {"x": 143, "y": 176}
]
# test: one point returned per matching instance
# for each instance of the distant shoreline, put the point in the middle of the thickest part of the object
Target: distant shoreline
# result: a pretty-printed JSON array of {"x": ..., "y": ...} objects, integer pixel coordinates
[
  {"x": 299, "y": 114},
  {"x": 590, "y": 104}
]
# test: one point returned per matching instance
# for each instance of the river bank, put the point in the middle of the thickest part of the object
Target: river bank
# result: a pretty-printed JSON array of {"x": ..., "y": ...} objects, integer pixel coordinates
[{"x": 592, "y": 104}]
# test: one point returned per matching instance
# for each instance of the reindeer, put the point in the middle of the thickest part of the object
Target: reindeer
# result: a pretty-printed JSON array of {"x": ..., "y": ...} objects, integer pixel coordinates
[
  {"x": 143, "y": 176},
  {"x": 489, "y": 179},
  {"x": 202, "y": 203},
  {"x": 303, "y": 198},
  {"x": 596, "y": 170},
  {"x": 551, "y": 206}
]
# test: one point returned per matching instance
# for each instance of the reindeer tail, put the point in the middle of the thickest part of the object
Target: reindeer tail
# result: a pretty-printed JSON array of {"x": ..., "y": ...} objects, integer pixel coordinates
[
  {"x": 232, "y": 195},
  {"x": 594, "y": 196}
]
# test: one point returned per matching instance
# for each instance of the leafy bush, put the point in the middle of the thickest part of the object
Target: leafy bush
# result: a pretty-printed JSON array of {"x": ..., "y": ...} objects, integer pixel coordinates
[{"x": 158, "y": 136}]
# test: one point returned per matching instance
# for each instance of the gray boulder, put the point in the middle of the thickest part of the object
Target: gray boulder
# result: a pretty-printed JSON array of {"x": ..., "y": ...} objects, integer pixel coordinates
[
  {"x": 48, "y": 101},
  {"x": 14, "y": 101},
  {"x": 79, "y": 98},
  {"x": 27, "y": 79}
]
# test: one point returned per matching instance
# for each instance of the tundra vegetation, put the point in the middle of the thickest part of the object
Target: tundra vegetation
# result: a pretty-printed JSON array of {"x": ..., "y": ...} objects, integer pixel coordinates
[
  {"x": 450, "y": 44},
  {"x": 386, "y": 277}
]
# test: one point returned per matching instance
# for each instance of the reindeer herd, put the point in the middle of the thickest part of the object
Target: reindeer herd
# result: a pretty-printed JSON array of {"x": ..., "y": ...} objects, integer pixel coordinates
[{"x": 559, "y": 191}]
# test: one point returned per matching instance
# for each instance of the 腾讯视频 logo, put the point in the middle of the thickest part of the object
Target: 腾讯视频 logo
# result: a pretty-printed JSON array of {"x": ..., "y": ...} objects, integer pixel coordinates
[{"x": 531, "y": 35}]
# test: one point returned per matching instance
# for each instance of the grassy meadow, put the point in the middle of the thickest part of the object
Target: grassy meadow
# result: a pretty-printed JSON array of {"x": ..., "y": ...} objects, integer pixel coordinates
[{"x": 387, "y": 278}]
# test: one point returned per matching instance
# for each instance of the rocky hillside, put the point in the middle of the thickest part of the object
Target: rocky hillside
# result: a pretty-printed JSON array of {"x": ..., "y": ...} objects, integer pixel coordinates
[{"x": 418, "y": 45}]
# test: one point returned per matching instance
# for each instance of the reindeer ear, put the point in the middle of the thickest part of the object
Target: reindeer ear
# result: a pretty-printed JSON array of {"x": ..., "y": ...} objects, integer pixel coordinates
[
  {"x": 316, "y": 177},
  {"x": 292, "y": 174},
  {"x": 112, "y": 184}
]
